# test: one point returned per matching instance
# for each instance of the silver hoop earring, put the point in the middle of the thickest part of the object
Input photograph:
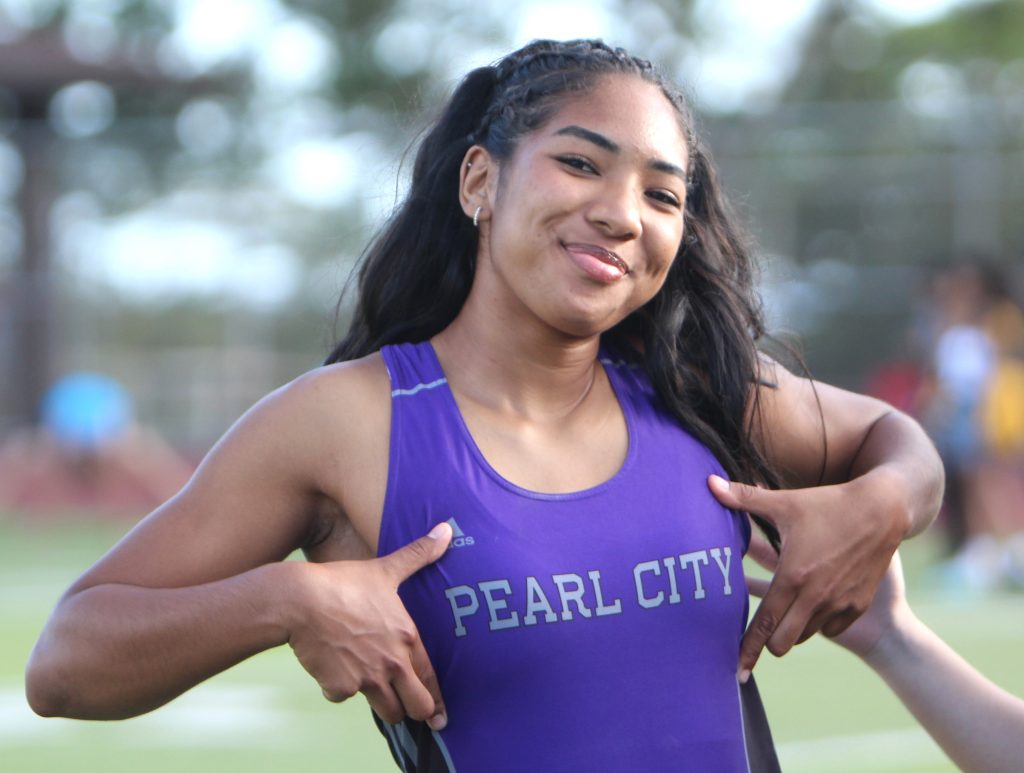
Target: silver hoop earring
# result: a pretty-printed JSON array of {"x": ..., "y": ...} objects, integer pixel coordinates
[{"x": 476, "y": 217}]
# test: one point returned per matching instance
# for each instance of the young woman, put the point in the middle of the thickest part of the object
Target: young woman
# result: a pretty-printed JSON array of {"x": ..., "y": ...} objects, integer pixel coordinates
[{"x": 552, "y": 355}]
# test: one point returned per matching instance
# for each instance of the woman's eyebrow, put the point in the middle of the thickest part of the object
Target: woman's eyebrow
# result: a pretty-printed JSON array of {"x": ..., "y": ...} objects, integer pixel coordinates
[
  {"x": 606, "y": 144},
  {"x": 590, "y": 136},
  {"x": 669, "y": 168}
]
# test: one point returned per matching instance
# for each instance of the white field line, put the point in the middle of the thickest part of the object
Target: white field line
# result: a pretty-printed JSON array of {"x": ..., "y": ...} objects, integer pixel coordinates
[
  {"x": 210, "y": 715},
  {"x": 863, "y": 752}
]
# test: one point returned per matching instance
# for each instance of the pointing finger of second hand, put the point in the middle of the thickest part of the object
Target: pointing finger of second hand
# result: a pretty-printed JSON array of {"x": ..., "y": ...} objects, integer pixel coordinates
[{"x": 763, "y": 624}]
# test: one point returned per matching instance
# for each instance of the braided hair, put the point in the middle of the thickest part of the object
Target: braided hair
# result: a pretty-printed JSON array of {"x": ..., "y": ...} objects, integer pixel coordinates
[{"x": 696, "y": 338}]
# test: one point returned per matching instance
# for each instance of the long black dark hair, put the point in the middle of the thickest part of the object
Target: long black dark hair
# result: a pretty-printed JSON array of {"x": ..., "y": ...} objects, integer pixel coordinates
[{"x": 696, "y": 337}]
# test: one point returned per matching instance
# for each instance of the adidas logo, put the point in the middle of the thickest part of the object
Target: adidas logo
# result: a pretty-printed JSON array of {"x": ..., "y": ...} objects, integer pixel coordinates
[{"x": 459, "y": 538}]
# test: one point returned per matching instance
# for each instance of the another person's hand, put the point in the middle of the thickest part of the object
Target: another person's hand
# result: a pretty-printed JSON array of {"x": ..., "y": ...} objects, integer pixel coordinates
[
  {"x": 976, "y": 722},
  {"x": 837, "y": 542},
  {"x": 352, "y": 633}
]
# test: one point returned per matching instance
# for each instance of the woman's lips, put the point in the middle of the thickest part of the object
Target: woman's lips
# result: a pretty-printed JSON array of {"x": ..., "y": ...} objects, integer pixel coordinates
[{"x": 597, "y": 262}]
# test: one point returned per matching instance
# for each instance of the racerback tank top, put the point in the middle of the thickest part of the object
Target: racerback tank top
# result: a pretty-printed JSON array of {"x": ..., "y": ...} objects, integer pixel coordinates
[{"x": 594, "y": 630}]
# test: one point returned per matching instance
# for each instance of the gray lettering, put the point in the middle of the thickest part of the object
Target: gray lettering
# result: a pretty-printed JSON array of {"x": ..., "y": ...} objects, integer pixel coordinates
[
  {"x": 645, "y": 601},
  {"x": 536, "y": 602},
  {"x": 695, "y": 559},
  {"x": 496, "y": 605},
  {"x": 602, "y": 610},
  {"x": 566, "y": 596},
  {"x": 462, "y": 611},
  {"x": 670, "y": 568},
  {"x": 717, "y": 555}
]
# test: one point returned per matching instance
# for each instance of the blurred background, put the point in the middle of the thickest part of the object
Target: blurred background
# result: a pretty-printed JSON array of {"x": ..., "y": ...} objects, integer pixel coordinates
[{"x": 184, "y": 189}]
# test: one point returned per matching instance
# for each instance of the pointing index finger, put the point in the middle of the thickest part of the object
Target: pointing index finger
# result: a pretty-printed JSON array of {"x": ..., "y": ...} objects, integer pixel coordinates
[
  {"x": 407, "y": 560},
  {"x": 776, "y": 602}
]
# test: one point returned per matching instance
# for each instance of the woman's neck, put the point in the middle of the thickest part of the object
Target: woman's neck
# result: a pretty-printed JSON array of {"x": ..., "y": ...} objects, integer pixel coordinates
[{"x": 514, "y": 365}]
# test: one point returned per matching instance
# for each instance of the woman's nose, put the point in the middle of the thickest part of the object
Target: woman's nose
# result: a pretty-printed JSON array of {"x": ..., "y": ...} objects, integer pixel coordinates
[{"x": 616, "y": 209}]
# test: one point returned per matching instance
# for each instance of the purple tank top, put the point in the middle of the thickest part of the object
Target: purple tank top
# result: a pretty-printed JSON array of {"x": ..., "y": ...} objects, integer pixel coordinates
[{"x": 595, "y": 630}]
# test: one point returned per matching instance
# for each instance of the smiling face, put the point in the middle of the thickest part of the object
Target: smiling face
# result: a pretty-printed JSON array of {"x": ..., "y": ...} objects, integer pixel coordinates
[{"x": 586, "y": 217}]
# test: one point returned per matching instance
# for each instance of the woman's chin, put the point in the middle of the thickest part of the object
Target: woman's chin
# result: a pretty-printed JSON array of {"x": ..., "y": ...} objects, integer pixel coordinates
[{"x": 587, "y": 323}]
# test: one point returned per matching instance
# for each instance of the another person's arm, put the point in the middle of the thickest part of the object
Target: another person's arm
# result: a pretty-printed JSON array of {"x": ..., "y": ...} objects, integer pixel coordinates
[
  {"x": 860, "y": 477},
  {"x": 978, "y": 724},
  {"x": 200, "y": 584}
]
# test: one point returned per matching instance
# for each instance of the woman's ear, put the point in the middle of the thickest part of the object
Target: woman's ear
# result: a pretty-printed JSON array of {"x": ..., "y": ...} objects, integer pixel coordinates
[{"x": 477, "y": 177}]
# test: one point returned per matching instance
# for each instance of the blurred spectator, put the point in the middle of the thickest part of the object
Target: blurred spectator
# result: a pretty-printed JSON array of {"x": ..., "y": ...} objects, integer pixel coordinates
[
  {"x": 85, "y": 411},
  {"x": 1001, "y": 474},
  {"x": 963, "y": 359},
  {"x": 899, "y": 383},
  {"x": 88, "y": 454},
  {"x": 975, "y": 412}
]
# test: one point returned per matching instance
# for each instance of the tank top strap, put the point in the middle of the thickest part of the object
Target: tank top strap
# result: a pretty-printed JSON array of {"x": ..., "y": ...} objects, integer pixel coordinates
[
  {"x": 426, "y": 445},
  {"x": 424, "y": 417},
  {"x": 412, "y": 368}
]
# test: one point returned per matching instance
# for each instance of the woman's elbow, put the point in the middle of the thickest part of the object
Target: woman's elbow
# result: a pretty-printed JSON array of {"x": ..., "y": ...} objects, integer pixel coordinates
[{"x": 46, "y": 691}]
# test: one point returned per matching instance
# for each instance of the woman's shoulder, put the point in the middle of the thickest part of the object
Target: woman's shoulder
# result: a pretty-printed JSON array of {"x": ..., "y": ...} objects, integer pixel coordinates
[
  {"x": 364, "y": 378},
  {"x": 352, "y": 396},
  {"x": 326, "y": 413}
]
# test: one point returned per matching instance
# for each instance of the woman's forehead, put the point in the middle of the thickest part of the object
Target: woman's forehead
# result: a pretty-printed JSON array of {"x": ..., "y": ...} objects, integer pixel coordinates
[{"x": 627, "y": 111}]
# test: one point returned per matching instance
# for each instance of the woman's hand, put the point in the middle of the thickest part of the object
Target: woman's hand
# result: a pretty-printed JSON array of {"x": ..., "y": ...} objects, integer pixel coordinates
[
  {"x": 887, "y": 613},
  {"x": 887, "y": 609},
  {"x": 837, "y": 542},
  {"x": 352, "y": 633}
]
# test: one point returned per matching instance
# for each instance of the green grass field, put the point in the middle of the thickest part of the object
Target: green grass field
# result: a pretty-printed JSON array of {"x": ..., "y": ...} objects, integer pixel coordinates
[{"x": 829, "y": 713}]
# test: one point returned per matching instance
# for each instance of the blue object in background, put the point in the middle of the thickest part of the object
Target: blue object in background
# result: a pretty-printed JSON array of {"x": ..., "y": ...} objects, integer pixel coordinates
[{"x": 85, "y": 410}]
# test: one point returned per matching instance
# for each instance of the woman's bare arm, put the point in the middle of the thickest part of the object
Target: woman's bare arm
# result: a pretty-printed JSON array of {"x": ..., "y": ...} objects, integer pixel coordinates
[
  {"x": 200, "y": 584},
  {"x": 863, "y": 475},
  {"x": 817, "y": 434}
]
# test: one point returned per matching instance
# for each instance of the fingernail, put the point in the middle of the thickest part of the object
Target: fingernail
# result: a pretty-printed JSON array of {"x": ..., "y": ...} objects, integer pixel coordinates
[
  {"x": 437, "y": 722},
  {"x": 719, "y": 483},
  {"x": 438, "y": 531},
  {"x": 744, "y": 675}
]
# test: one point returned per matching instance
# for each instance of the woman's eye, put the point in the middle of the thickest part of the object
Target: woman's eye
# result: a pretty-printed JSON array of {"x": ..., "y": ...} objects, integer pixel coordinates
[
  {"x": 664, "y": 197},
  {"x": 578, "y": 163}
]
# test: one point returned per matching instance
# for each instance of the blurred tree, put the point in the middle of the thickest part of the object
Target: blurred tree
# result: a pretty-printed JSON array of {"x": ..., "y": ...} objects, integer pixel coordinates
[{"x": 855, "y": 53}]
